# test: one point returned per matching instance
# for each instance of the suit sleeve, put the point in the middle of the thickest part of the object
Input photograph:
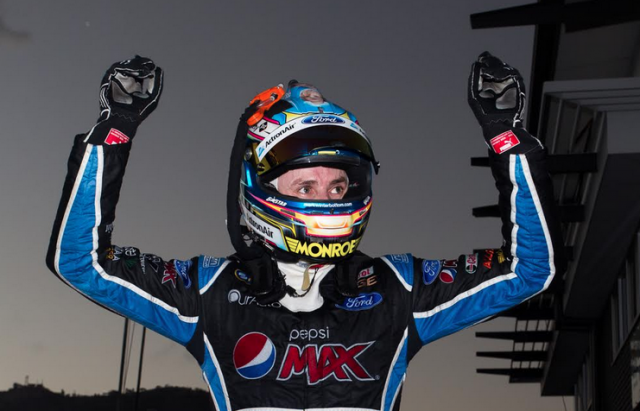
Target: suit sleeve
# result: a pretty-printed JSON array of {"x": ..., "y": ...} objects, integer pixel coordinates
[
  {"x": 451, "y": 295},
  {"x": 161, "y": 295}
]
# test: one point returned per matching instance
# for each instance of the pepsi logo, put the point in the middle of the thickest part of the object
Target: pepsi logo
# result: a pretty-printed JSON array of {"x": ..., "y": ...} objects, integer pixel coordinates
[
  {"x": 447, "y": 275},
  {"x": 254, "y": 355}
]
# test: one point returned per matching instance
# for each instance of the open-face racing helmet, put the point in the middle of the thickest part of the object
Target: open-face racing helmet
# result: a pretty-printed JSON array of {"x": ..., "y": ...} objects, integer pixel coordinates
[{"x": 299, "y": 129}]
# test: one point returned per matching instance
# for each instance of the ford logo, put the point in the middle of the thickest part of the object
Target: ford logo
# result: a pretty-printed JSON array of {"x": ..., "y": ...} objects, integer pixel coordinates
[
  {"x": 323, "y": 119},
  {"x": 364, "y": 301}
]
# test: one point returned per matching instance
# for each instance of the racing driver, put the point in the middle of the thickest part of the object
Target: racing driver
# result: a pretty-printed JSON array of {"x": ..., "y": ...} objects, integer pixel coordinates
[{"x": 298, "y": 318}]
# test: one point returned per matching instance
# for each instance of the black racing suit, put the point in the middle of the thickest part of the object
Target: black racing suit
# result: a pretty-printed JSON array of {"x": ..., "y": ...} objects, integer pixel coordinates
[{"x": 352, "y": 353}]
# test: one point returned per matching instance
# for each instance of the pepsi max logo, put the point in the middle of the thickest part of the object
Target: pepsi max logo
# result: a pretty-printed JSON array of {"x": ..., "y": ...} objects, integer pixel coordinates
[
  {"x": 448, "y": 275},
  {"x": 364, "y": 301},
  {"x": 430, "y": 271},
  {"x": 323, "y": 119},
  {"x": 254, "y": 355}
]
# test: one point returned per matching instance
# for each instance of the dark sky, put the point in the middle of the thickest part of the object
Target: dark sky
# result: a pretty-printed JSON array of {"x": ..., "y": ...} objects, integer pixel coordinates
[{"x": 401, "y": 66}]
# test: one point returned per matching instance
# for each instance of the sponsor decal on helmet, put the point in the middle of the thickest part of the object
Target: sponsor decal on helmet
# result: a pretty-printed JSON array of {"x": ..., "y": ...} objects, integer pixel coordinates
[
  {"x": 323, "y": 119},
  {"x": 318, "y": 250},
  {"x": 327, "y": 205},
  {"x": 471, "y": 263},
  {"x": 183, "y": 271},
  {"x": 254, "y": 355},
  {"x": 299, "y": 124},
  {"x": 236, "y": 297},
  {"x": 322, "y": 362},
  {"x": 364, "y": 301},
  {"x": 277, "y": 201},
  {"x": 262, "y": 228},
  {"x": 430, "y": 271},
  {"x": 280, "y": 133},
  {"x": 500, "y": 256}
]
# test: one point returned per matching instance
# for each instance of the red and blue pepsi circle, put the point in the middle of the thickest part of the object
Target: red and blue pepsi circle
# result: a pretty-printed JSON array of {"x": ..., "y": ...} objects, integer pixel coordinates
[
  {"x": 254, "y": 355},
  {"x": 448, "y": 275}
]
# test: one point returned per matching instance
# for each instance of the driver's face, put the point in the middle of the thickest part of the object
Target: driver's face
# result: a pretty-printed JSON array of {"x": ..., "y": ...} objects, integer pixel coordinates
[{"x": 315, "y": 183}]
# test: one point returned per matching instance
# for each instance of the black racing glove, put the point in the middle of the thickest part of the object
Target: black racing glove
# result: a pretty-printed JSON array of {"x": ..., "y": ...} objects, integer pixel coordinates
[
  {"x": 129, "y": 92},
  {"x": 497, "y": 97}
]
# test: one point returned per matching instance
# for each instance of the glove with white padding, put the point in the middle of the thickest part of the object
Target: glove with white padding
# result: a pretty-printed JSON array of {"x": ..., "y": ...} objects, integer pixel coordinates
[
  {"x": 129, "y": 92},
  {"x": 496, "y": 95}
]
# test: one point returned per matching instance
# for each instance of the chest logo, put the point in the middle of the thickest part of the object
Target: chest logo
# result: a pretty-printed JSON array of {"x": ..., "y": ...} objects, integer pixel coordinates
[
  {"x": 254, "y": 355},
  {"x": 325, "y": 361},
  {"x": 364, "y": 301}
]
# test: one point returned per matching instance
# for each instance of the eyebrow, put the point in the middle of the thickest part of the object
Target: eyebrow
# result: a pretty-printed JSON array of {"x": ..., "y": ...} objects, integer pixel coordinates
[{"x": 315, "y": 182}]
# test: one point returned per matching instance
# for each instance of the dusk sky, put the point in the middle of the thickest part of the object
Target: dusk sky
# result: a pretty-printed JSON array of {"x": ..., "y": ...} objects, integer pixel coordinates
[{"x": 400, "y": 66}]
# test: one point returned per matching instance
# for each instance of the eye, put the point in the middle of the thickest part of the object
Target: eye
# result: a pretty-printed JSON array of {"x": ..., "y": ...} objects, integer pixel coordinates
[
  {"x": 304, "y": 190},
  {"x": 337, "y": 190}
]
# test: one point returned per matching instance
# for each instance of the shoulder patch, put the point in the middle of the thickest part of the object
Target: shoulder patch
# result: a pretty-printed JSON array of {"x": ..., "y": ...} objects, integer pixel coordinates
[
  {"x": 402, "y": 266},
  {"x": 208, "y": 270}
]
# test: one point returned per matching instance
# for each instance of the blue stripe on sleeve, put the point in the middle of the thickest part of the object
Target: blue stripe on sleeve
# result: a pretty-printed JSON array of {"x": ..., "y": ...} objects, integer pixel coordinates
[
  {"x": 531, "y": 265},
  {"x": 78, "y": 264}
]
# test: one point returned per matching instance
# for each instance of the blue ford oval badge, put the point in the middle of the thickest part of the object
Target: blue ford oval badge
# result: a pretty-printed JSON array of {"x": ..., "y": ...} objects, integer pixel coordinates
[
  {"x": 364, "y": 301},
  {"x": 323, "y": 119}
]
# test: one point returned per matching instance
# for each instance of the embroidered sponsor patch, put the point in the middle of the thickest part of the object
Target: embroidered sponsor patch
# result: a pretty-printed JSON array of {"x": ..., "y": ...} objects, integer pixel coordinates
[
  {"x": 430, "y": 271},
  {"x": 364, "y": 301},
  {"x": 254, "y": 355},
  {"x": 208, "y": 261},
  {"x": 182, "y": 267},
  {"x": 242, "y": 276},
  {"x": 116, "y": 137},
  {"x": 170, "y": 274},
  {"x": 487, "y": 259},
  {"x": 399, "y": 258},
  {"x": 471, "y": 263},
  {"x": 448, "y": 275},
  {"x": 366, "y": 278},
  {"x": 504, "y": 142}
]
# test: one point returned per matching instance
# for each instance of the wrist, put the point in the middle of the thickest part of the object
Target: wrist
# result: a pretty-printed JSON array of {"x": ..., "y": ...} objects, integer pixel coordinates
[
  {"x": 503, "y": 138},
  {"x": 113, "y": 131}
]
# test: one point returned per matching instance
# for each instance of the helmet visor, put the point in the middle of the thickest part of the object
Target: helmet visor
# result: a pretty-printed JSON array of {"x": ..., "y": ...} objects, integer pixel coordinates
[{"x": 319, "y": 144}]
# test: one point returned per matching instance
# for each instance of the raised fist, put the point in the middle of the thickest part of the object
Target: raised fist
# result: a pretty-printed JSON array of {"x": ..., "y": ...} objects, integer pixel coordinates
[
  {"x": 496, "y": 91},
  {"x": 129, "y": 92},
  {"x": 131, "y": 88},
  {"x": 496, "y": 96}
]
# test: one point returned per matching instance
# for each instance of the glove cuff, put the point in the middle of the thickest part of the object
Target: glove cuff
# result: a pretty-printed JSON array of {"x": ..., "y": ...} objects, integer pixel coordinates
[
  {"x": 502, "y": 138},
  {"x": 115, "y": 130}
]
